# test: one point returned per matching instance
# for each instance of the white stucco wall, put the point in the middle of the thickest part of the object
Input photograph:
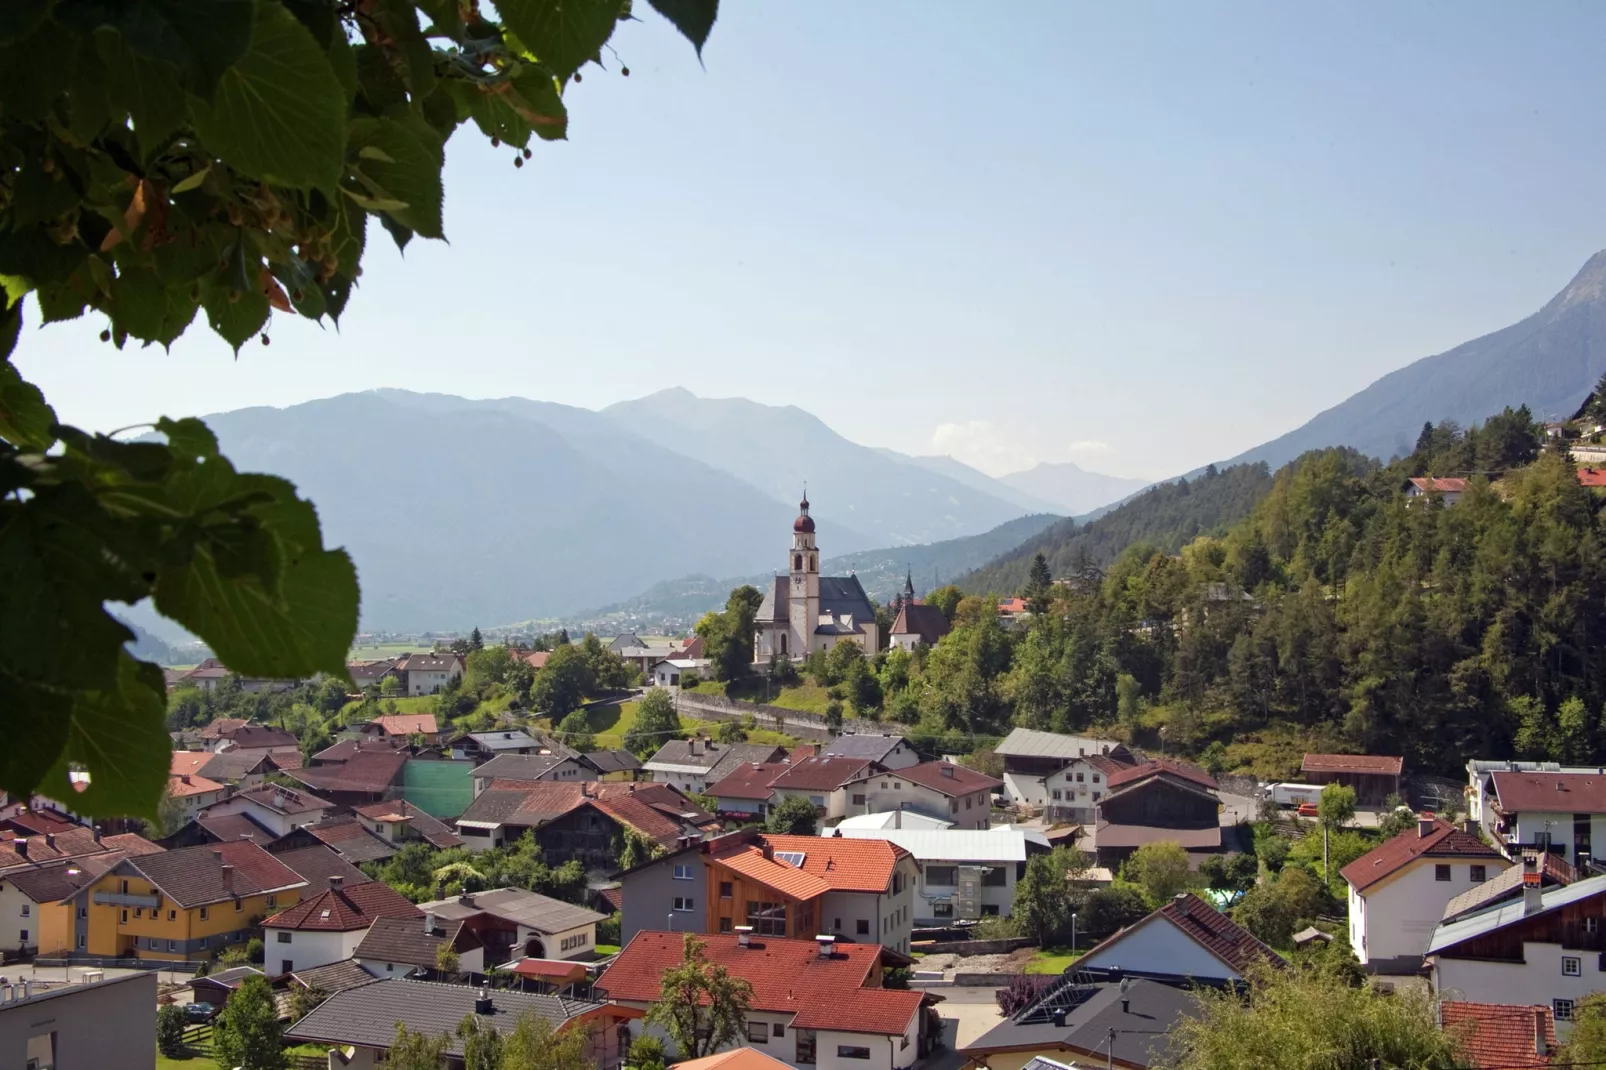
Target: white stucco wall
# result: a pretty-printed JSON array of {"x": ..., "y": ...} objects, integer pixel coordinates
[
  {"x": 888, "y": 791},
  {"x": 12, "y": 921},
  {"x": 1025, "y": 789},
  {"x": 927, "y": 892},
  {"x": 467, "y": 962},
  {"x": 275, "y": 822},
  {"x": 886, "y": 1052},
  {"x": 1533, "y": 824},
  {"x": 1158, "y": 946},
  {"x": 307, "y": 949},
  {"x": 1399, "y": 915},
  {"x": 1537, "y": 980}
]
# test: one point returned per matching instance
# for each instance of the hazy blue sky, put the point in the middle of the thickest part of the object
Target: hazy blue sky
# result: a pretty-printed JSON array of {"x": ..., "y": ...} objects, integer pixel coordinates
[{"x": 1139, "y": 236}]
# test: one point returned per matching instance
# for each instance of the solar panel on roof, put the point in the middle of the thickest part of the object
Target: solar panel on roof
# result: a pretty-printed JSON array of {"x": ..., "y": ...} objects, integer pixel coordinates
[
  {"x": 792, "y": 858},
  {"x": 1071, "y": 990}
]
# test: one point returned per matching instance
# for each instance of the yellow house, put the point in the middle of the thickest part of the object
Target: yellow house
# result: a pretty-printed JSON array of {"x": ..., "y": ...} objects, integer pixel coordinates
[{"x": 181, "y": 905}]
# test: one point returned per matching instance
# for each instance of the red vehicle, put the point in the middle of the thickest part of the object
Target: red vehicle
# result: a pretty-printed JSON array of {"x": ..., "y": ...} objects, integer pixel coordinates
[{"x": 1308, "y": 810}]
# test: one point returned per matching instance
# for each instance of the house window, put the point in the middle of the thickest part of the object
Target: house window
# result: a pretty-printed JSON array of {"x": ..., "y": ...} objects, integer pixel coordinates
[
  {"x": 989, "y": 910},
  {"x": 995, "y": 877},
  {"x": 1079, "y": 778},
  {"x": 27, "y": 908},
  {"x": 1562, "y": 1009},
  {"x": 24, "y": 935},
  {"x": 139, "y": 912},
  {"x": 83, "y": 941},
  {"x": 941, "y": 875},
  {"x": 778, "y": 1030},
  {"x": 390, "y": 967},
  {"x": 83, "y": 912},
  {"x": 758, "y": 1032},
  {"x": 273, "y": 900},
  {"x": 683, "y": 902},
  {"x": 1056, "y": 795},
  {"x": 1591, "y": 925},
  {"x": 724, "y": 925},
  {"x": 172, "y": 945},
  {"x": 205, "y": 941},
  {"x": 1096, "y": 795},
  {"x": 967, "y": 802},
  {"x": 858, "y": 800},
  {"x": 125, "y": 916},
  {"x": 767, "y": 919},
  {"x": 725, "y": 890},
  {"x": 172, "y": 915},
  {"x": 1479, "y": 874},
  {"x": 124, "y": 887},
  {"x": 1095, "y": 778},
  {"x": 682, "y": 871},
  {"x": 1441, "y": 873},
  {"x": 284, "y": 937},
  {"x": 836, "y": 925},
  {"x": 203, "y": 913},
  {"x": 851, "y": 1051},
  {"x": 1571, "y": 966},
  {"x": 942, "y": 910},
  {"x": 953, "y": 806},
  {"x": 239, "y": 905},
  {"x": 862, "y": 927}
]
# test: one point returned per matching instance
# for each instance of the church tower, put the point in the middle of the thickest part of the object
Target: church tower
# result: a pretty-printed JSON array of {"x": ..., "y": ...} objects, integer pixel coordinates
[{"x": 805, "y": 584}]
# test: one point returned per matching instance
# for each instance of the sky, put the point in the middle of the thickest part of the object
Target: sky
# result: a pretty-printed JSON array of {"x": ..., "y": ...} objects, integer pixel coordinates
[{"x": 1139, "y": 236}]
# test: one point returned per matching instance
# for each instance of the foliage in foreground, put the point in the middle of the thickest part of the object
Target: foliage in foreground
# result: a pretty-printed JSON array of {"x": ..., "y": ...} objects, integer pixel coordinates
[
  {"x": 700, "y": 1005},
  {"x": 164, "y": 159},
  {"x": 248, "y": 1034}
]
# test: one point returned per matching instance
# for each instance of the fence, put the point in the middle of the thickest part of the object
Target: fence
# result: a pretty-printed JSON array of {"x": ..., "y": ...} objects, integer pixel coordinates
[
  {"x": 101, "y": 963},
  {"x": 198, "y": 1039},
  {"x": 792, "y": 722}
]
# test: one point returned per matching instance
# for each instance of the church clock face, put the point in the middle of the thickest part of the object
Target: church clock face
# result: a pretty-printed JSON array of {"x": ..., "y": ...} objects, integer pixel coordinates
[{"x": 797, "y": 582}]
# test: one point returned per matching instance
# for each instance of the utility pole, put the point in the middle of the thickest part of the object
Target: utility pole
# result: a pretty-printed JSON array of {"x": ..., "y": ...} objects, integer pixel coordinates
[{"x": 1109, "y": 1052}]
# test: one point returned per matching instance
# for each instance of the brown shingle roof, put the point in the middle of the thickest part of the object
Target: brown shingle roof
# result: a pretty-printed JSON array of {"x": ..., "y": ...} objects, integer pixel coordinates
[
  {"x": 1158, "y": 767},
  {"x": 1574, "y": 793},
  {"x": 261, "y": 737},
  {"x": 1442, "y": 841},
  {"x": 227, "y": 827},
  {"x": 334, "y": 977},
  {"x": 283, "y": 800},
  {"x": 317, "y": 864},
  {"x": 749, "y": 781},
  {"x": 366, "y": 771},
  {"x": 406, "y": 724},
  {"x": 1499, "y": 1036},
  {"x": 430, "y": 828},
  {"x": 822, "y": 774},
  {"x": 193, "y": 876},
  {"x": 353, "y": 842},
  {"x": 345, "y": 910},
  {"x": 925, "y": 621},
  {"x": 1507, "y": 884},
  {"x": 1376, "y": 764},
  {"x": 404, "y": 940},
  {"x": 72, "y": 843},
  {"x": 948, "y": 779}
]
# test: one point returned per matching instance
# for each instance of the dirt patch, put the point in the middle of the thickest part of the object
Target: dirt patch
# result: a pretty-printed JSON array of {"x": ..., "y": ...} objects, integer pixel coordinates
[{"x": 1014, "y": 962}]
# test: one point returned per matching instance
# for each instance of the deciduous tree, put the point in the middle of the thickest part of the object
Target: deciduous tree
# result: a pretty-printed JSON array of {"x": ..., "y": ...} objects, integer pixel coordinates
[
  {"x": 247, "y": 1034},
  {"x": 1160, "y": 870},
  {"x": 656, "y": 723},
  {"x": 794, "y": 816},
  {"x": 700, "y": 1004}
]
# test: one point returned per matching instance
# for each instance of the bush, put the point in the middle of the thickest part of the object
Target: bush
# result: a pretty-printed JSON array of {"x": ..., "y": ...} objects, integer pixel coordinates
[
  {"x": 170, "y": 1031},
  {"x": 608, "y": 930},
  {"x": 995, "y": 928},
  {"x": 690, "y": 681},
  {"x": 1022, "y": 991},
  {"x": 254, "y": 950},
  {"x": 646, "y": 1053}
]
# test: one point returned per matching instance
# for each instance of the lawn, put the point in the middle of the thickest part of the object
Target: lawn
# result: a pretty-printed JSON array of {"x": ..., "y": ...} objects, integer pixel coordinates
[
  {"x": 381, "y": 651},
  {"x": 200, "y": 1062},
  {"x": 1052, "y": 960},
  {"x": 606, "y": 949},
  {"x": 807, "y": 697}
]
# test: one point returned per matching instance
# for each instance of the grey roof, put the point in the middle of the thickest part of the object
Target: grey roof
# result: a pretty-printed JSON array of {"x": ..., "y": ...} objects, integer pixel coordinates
[
  {"x": 866, "y": 745},
  {"x": 404, "y": 940},
  {"x": 493, "y": 806},
  {"x": 316, "y": 865},
  {"x": 718, "y": 759},
  {"x": 1092, "y": 1011},
  {"x": 367, "y": 1015},
  {"x": 230, "y": 766},
  {"x": 230, "y": 978},
  {"x": 623, "y": 640},
  {"x": 539, "y": 912},
  {"x": 1452, "y": 933},
  {"x": 613, "y": 761},
  {"x": 507, "y": 739},
  {"x": 518, "y": 766},
  {"x": 1028, "y": 743},
  {"x": 334, "y": 976},
  {"x": 839, "y": 596}
]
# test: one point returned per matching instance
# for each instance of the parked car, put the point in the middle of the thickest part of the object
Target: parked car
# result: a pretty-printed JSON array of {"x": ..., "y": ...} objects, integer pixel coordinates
[
  {"x": 199, "y": 1012},
  {"x": 1309, "y": 810}
]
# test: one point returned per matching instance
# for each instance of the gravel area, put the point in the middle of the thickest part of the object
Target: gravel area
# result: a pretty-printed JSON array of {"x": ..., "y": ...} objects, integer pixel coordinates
[{"x": 1013, "y": 962}]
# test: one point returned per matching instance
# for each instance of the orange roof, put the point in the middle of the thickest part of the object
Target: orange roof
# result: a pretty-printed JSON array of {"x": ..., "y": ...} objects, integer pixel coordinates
[
  {"x": 183, "y": 785},
  {"x": 536, "y": 659},
  {"x": 736, "y": 1059},
  {"x": 406, "y": 724},
  {"x": 1012, "y": 605},
  {"x": 1353, "y": 763},
  {"x": 1592, "y": 477},
  {"x": 844, "y": 865},
  {"x": 560, "y": 970},
  {"x": 1442, "y": 841},
  {"x": 189, "y": 761},
  {"x": 1441, "y": 484},
  {"x": 1496, "y": 1035},
  {"x": 784, "y": 878}
]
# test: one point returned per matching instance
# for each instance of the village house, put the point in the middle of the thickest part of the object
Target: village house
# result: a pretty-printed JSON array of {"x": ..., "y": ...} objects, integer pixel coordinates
[
  {"x": 1562, "y": 812},
  {"x": 690, "y": 765},
  {"x": 1374, "y": 777},
  {"x": 367, "y": 776},
  {"x": 745, "y": 794},
  {"x": 831, "y": 785},
  {"x": 585, "y": 821},
  {"x": 884, "y": 749},
  {"x": 513, "y": 923},
  {"x": 1500, "y": 1037},
  {"x": 670, "y": 671},
  {"x": 403, "y": 727},
  {"x": 1075, "y": 789},
  {"x": 398, "y": 821},
  {"x": 1546, "y": 945},
  {"x": 614, "y": 765},
  {"x": 181, "y": 905},
  {"x": 792, "y": 886},
  {"x": 316, "y": 864},
  {"x": 1186, "y": 936},
  {"x": 194, "y": 793},
  {"x": 1399, "y": 889},
  {"x": 962, "y": 875},
  {"x": 328, "y": 925},
  {"x": 815, "y": 1003},
  {"x": 218, "y": 988},
  {"x": 275, "y": 807},
  {"x": 530, "y": 768},
  {"x": 371, "y": 675},
  {"x": 892, "y": 819},
  {"x": 343, "y": 750},
  {"x": 38, "y": 873},
  {"x": 936, "y": 789},
  {"x": 427, "y": 674},
  {"x": 483, "y": 746},
  {"x": 803, "y": 612},
  {"x": 235, "y": 769},
  {"x": 915, "y": 624},
  {"x": 344, "y": 835},
  {"x": 1161, "y": 799},
  {"x": 1031, "y": 758},
  {"x": 257, "y": 739},
  {"x": 1447, "y": 489},
  {"x": 404, "y": 947},
  {"x": 1508, "y": 884}
]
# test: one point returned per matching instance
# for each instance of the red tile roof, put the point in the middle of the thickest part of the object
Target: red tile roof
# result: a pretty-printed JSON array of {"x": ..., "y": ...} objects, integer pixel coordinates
[
  {"x": 1592, "y": 477},
  {"x": 223, "y": 727},
  {"x": 406, "y": 724},
  {"x": 183, "y": 785},
  {"x": 789, "y": 880},
  {"x": 345, "y": 910},
  {"x": 845, "y": 865},
  {"x": 803, "y": 750},
  {"x": 735, "y": 1059},
  {"x": 1012, "y": 605},
  {"x": 1218, "y": 934},
  {"x": 788, "y": 976},
  {"x": 751, "y": 780},
  {"x": 369, "y": 771},
  {"x": 131, "y": 844},
  {"x": 1353, "y": 763},
  {"x": 72, "y": 843},
  {"x": 652, "y": 809},
  {"x": 1158, "y": 766},
  {"x": 948, "y": 778},
  {"x": 1443, "y": 841},
  {"x": 1496, "y": 1035},
  {"x": 37, "y": 821},
  {"x": 536, "y": 659},
  {"x": 821, "y": 774},
  {"x": 1570, "y": 793},
  {"x": 1441, "y": 484}
]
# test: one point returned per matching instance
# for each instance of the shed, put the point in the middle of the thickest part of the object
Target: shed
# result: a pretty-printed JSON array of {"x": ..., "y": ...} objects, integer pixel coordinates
[{"x": 1373, "y": 776}]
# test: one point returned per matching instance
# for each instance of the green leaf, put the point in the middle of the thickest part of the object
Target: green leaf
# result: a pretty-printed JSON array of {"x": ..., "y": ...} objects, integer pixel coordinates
[
  {"x": 238, "y": 319},
  {"x": 189, "y": 437},
  {"x": 25, "y": 418},
  {"x": 10, "y": 324},
  {"x": 149, "y": 88},
  {"x": 192, "y": 182},
  {"x": 301, "y": 284},
  {"x": 693, "y": 18},
  {"x": 88, "y": 108},
  {"x": 563, "y": 34},
  {"x": 407, "y": 168},
  {"x": 35, "y": 71},
  {"x": 377, "y": 81},
  {"x": 39, "y": 720},
  {"x": 201, "y": 39},
  {"x": 119, "y": 737},
  {"x": 400, "y": 233},
  {"x": 347, "y": 236},
  {"x": 146, "y": 307},
  {"x": 18, "y": 18},
  {"x": 278, "y": 114}
]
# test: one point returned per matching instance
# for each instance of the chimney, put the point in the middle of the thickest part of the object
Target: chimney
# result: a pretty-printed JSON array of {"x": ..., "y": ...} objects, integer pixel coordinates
[
  {"x": 1126, "y": 1005},
  {"x": 184, "y": 778},
  {"x": 897, "y": 818},
  {"x": 824, "y": 943},
  {"x": 1541, "y": 1046},
  {"x": 1424, "y": 825},
  {"x": 429, "y": 924},
  {"x": 97, "y": 835},
  {"x": 466, "y": 900},
  {"x": 20, "y": 845},
  {"x": 744, "y": 935},
  {"x": 585, "y": 788},
  {"x": 1532, "y": 892},
  {"x": 50, "y": 840},
  {"x": 228, "y": 877},
  {"x": 768, "y": 850},
  {"x": 336, "y": 883},
  {"x": 482, "y": 1002}
]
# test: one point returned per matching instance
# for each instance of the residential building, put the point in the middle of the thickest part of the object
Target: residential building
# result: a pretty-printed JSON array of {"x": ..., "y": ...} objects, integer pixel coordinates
[
  {"x": 426, "y": 674},
  {"x": 1031, "y": 756},
  {"x": 1186, "y": 936},
  {"x": 194, "y": 793},
  {"x": 514, "y": 923},
  {"x": 585, "y": 821},
  {"x": 398, "y": 821},
  {"x": 745, "y": 794},
  {"x": 218, "y": 988},
  {"x": 259, "y": 739},
  {"x": 1399, "y": 889},
  {"x": 367, "y": 776},
  {"x": 373, "y": 674},
  {"x": 99, "y": 1024},
  {"x": 1480, "y": 783},
  {"x": 1500, "y": 1037},
  {"x": 803, "y": 612},
  {"x": 181, "y": 905},
  {"x": 668, "y": 673},
  {"x": 1374, "y": 777},
  {"x": 791, "y": 886},
  {"x": 275, "y": 807},
  {"x": 963, "y": 875},
  {"x": 1160, "y": 799},
  {"x": 817, "y": 1004},
  {"x": 734, "y": 1059},
  {"x": 832, "y": 785},
  {"x": 530, "y": 768},
  {"x": 643, "y": 656},
  {"x": 363, "y": 1019},
  {"x": 614, "y": 764},
  {"x": 330, "y": 979},
  {"x": 1073, "y": 791},
  {"x": 404, "y": 727},
  {"x": 483, "y": 746},
  {"x": 239, "y": 769},
  {"x": 1447, "y": 489},
  {"x": 342, "y": 750},
  {"x": 1092, "y": 1017},
  {"x": 935, "y": 789},
  {"x": 327, "y": 925},
  {"x": 400, "y": 947},
  {"x": 1546, "y": 945},
  {"x": 221, "y": 728},
  {"x": 1508, "y": 884},
  {"x": 893, "y": 819},
  {"x": 886, "y": 750},
  {"x": 318, "y": 864},
  {"x": 346, "y": 836},
  {"x": 33, "y": 893},
  {"x": 1562, "y": 812},
  {"x": 690, "y": 765},
  {"x": 918, "y": 625}
]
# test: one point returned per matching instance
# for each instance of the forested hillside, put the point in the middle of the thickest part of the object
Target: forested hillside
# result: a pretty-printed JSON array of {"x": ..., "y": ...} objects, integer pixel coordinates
[
  {"x": 1167, "y": 515},
  {"x": 1337, "y": 614}
]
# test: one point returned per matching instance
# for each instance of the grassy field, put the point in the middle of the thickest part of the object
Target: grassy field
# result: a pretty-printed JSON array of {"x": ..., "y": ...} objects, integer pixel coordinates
[
  {"x": 1052, "y": 960},
  {"x": 807, "y": 697},
  {"x": 379, "y": 651},
  {"x": 404, "y": 704},
  {"x": 200, "y": 1062}
]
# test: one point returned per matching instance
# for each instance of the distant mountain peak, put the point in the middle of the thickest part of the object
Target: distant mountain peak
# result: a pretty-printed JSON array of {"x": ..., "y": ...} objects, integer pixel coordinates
[{"x": 1587, "y": 287}]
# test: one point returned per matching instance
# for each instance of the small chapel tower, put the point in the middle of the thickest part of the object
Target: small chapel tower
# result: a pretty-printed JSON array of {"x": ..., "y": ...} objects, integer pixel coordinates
[{"x": 805, "y": 583}]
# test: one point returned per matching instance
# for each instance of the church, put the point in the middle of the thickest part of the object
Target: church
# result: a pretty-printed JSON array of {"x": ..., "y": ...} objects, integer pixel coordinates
[{"x": 804, "y": 612}]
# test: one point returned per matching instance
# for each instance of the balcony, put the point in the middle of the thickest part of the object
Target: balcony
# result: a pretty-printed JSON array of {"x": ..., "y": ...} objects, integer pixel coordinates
[{"x": 127, "y": 899}]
